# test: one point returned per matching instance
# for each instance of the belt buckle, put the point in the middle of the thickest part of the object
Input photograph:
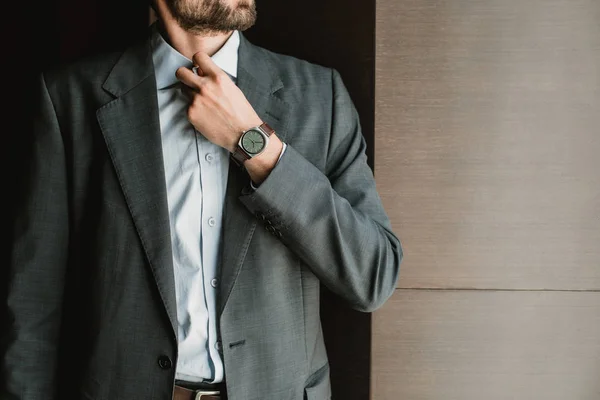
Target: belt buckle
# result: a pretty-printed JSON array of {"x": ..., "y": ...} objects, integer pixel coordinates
[{"x": 201, "y": 393}]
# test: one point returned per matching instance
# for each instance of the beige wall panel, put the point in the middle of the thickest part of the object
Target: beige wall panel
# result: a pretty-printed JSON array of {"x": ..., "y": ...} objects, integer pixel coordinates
[
  {"x": 487, "y": 345},
  {"x": 487, "y": 152}
]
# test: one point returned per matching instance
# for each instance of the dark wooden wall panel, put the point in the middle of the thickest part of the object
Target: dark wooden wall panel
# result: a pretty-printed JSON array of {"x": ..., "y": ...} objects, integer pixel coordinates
[
  {"x": 90, "y": 26},
  {"x": 474, "y": 345},
  {"x": 487, "y": 140},
  {"x": 28, "y": 47}
]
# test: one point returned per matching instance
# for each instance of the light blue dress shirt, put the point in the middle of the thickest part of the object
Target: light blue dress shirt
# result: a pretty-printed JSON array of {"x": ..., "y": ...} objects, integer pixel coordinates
[{"x": 196, "y": 178}]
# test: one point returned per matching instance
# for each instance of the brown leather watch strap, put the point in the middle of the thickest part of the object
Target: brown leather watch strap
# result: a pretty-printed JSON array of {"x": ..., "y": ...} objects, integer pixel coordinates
[
  {"x": 268, "y": 130},
  {"x": 240, "y": 156}
]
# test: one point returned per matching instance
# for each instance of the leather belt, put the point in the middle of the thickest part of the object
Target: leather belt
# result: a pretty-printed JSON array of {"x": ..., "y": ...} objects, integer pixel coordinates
[{"x": 181, "y": 393}]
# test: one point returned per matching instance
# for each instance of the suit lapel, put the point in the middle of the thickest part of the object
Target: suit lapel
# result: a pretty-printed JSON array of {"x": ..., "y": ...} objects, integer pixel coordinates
[
  {"x": 259, "y": 82},
  {"x": 131, "y": 130}
]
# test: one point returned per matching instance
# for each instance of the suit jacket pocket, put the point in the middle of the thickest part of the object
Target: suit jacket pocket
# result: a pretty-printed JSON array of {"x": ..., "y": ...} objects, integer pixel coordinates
[{"x": 319, "y": 385}]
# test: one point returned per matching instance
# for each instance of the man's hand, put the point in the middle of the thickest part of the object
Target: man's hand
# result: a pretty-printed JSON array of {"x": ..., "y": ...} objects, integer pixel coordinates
[{"x": 220, "y": 111}]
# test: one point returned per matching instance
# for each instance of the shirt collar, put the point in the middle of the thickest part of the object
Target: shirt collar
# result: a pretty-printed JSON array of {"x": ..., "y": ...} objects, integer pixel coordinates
[{"x": 166, "y": 59}]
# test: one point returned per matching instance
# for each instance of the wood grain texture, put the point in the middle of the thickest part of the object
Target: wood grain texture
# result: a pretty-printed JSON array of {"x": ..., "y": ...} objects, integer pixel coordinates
[
  {"x": 492, "y": 345},
  {"x": 487, "y": 144}
]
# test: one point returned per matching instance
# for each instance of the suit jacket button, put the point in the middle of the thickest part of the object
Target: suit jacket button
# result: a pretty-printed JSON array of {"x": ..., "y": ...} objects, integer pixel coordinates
[
  {"x": 261, "y": 216},
  {"x": 165, "y": 362}
]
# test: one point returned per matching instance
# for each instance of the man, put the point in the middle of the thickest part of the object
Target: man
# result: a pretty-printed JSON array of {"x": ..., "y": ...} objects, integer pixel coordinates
[{"x": 184, "y": 200}]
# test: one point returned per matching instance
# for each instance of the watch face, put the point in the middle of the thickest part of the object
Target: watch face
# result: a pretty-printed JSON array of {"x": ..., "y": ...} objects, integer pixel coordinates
[{"x": 253, "y": 142}]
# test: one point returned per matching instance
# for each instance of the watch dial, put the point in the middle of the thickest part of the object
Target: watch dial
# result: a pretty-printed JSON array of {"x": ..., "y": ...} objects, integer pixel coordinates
[{"x": 253, "y": 142}]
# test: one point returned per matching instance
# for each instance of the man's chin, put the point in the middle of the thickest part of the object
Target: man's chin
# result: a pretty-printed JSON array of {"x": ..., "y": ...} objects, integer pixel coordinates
[{"x": 215, "y": 30}]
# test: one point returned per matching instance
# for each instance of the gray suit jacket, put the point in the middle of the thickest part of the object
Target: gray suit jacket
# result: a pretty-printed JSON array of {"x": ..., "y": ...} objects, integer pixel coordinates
[{"x": 92, "y": 297}]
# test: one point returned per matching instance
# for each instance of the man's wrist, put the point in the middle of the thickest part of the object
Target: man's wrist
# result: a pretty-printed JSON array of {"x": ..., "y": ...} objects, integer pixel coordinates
[
  {"x": 255, "y": 186},
  {"x": 260, "y": 166}
]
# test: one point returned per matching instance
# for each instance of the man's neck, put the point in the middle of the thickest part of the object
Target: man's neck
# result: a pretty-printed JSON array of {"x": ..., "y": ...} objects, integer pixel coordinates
[{"x": 188, "y": 43}]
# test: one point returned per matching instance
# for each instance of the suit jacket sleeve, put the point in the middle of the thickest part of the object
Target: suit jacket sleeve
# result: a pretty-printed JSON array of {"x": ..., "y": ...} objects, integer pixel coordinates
[
  {"x": 38, "y": 262},
  {"x": 334, "y": 220}
]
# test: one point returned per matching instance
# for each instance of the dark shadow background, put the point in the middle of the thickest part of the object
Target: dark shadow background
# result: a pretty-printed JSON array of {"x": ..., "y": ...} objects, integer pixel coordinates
[{"x": 334, "y": 33}]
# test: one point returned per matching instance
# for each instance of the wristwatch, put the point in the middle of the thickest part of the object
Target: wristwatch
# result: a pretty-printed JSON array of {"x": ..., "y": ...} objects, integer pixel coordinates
[{"x": 252, "y": 142}]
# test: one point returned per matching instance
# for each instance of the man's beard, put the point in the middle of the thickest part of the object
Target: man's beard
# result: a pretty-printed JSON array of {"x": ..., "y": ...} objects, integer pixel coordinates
[{"x": 205, "y": 17}]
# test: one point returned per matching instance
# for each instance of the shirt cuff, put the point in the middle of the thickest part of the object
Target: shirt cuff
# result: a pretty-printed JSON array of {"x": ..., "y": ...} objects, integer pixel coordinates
[{"x": 252, "y": 185}]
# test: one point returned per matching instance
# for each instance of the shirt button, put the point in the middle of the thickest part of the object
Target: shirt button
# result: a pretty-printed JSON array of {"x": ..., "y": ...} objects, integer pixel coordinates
[
  {"x": 211, "y": 221},
  {"x": 209, "y": 157},
  {"x": 214, "y": 283},
  {"x": 164, "y": 362},
  {"x": 218, "y": 345}
]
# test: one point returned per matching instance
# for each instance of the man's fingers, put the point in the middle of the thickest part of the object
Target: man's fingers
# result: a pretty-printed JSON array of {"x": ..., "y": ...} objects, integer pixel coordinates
[
  {"x": 197, "y": 71},
  {"x": 206, "y": 64},
  {"x": 188, "y": 77}
]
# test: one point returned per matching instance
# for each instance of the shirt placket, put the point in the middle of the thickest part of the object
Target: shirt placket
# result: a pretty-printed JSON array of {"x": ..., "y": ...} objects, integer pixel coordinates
[{"x": 211, "y": 228}]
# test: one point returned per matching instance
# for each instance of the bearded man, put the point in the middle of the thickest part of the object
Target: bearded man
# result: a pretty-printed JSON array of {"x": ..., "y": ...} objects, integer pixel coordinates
[{"x": 183, "y": 201}]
